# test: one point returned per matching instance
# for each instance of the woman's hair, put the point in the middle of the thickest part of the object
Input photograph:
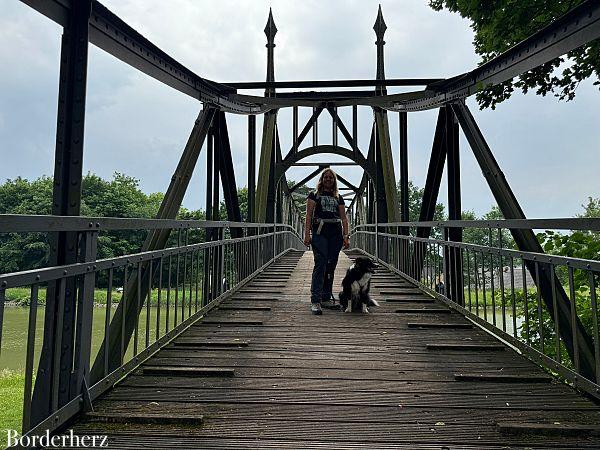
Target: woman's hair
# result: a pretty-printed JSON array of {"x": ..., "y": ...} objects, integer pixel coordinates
[{"x": 336, "y": 192}]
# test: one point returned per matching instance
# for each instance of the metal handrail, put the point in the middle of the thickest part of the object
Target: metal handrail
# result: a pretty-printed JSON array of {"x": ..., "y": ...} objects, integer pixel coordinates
[
  {"x": 187, "y": 281},
  {"x": 588, "y": 224},
  {"x": 502, "y": 290},
  {"x": 13, "y": 223}
]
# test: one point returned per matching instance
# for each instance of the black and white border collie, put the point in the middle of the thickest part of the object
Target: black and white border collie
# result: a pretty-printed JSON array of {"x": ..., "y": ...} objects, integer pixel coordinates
[{"x": 356, "y": 284}]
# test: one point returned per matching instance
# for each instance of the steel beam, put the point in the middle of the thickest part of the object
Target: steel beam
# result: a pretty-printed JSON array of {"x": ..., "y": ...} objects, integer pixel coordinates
[
  {"x": 264, "y": 167},
  {"x": 454, "y": 269},
  {"x": 52, "y": 385},
  {"x": 307, "y": 178},
  {"x": 347, "y": 183},
  {"x": 157, "y": 239},
  {"x": 430, "y": 192},
  {"x": 310, "y": 123},
  {"x": 331, "y": 83},
  {"x": 404, "y": 194},
  {"x": 230, "y": 195},
  {"x": 251, "y": 167},
  {"x": 385, "y": 160},
  {"x": 526, "y": 241},
  {"x": 110, "y": 33}
]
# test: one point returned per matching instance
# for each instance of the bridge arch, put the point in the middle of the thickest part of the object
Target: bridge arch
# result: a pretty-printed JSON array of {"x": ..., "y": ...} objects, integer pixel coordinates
[{"x": 356, "y": 157}]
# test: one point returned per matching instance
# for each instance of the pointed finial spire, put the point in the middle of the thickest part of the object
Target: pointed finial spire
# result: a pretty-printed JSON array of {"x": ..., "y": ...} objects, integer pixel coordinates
[
  {"x": 270, "y": 29},
  {"x": 379, "y": 27}
]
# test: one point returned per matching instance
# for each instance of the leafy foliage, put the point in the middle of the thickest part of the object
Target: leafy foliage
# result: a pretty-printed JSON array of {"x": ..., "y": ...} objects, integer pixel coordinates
[
  {"x": 500, "y": 24},
  {"x": 119, "y": 197}
]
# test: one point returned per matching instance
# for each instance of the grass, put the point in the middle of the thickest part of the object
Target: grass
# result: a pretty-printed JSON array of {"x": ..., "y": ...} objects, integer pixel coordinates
[
  {"x": 11, "y": 402},
  {"x": 21, "y": 296}
]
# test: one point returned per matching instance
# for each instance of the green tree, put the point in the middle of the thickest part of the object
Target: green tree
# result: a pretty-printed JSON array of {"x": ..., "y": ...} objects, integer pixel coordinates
[
  {"x": 591, "y": 209},
  {"x": 415, "y": 196},
  {"x": 500, "y": 24}
]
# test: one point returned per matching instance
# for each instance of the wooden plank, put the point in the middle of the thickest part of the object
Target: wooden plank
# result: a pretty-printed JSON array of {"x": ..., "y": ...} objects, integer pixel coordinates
[
  {"x": 410, "y": 300},
  {"x": 187, "y": 342},
  {"x": 467, "y": 347},
  {"x": 230, "y": 323},
  {"x": 189, "y": 371},
  {"x": 189, "y": 418},
  {"x": 244, "y": 308},
  {"x": 423, "y": 310},
  {"x": 440, "y": 325},
  {"x": 502, "y": 378},
  {"x": 549, "y": 429}
]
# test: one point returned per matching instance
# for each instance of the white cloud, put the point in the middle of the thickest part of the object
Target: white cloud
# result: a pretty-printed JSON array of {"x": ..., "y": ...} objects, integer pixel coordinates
[{"x": 138, "y": 126}]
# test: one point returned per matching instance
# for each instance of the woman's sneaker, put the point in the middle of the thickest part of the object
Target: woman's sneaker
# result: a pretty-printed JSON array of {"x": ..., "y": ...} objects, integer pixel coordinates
[{"x": 315, "y": 308}]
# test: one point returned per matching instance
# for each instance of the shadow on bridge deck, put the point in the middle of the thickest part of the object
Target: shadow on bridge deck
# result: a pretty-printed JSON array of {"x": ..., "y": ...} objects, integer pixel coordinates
[{"x": 262, "y": 372}]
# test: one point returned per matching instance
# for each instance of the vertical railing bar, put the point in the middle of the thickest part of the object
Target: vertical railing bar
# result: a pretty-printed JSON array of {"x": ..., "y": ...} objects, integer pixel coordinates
[
  {"x": 57, "y": 343},
  {"x": 469, "y": 279},
  {"x": 159, "y": 297},
  {"x": 2, "y": 302},
  {"x": 167, "y": 310},
  {"x": 539, "y": 307},
  {"x": 148, "y": 301},
  {"x": 33, "y": 304},
  {"x": 197, "y": 279},
  {"x": 124, "y": 300},
  {"x": 177, "y": 266},
  {"x": 593, "y": 303},
  {"x": 183, "y": 287},
  {"x": 483, "y": 258},
  {"x": 555, "y": 309},
  {"x": 526, "y": 302},
  {"x": 191, "y": 282},
  {"x": 137, "y": 308},
  {"x": 512, "y": 294},
  {"x": 576, "y": 359},
  {"x": 107, "y": 319},
  {"x": 501, "y": 280},
  {"x": 492, "y": 287},
  {"x": 476, "y": 283}
]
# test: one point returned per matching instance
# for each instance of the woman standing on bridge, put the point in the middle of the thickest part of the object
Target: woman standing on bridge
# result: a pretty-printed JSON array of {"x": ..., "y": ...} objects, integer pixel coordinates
[{"x": 326, "y": 218}]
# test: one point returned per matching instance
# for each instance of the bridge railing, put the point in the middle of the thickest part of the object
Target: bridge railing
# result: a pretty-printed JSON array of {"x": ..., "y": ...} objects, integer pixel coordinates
[
  {"x": 544, "y": 303},
  {"x": 149, "y": 297}
]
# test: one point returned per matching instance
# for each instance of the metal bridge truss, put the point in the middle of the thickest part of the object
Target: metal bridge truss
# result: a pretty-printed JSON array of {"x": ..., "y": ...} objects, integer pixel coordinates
[{"x": 196, "y": 264}]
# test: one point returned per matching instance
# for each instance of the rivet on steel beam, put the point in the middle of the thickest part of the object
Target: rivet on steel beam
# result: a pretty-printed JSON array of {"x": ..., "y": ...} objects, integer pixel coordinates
[{"x": 37, "y": 278}]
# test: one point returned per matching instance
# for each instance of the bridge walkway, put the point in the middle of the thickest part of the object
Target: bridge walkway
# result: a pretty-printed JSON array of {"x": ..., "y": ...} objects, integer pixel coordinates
[{"x": 262, "y": 372}]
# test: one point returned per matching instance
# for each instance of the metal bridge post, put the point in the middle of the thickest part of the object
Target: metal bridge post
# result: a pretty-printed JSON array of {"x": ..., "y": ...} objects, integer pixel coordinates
[
  {"x": 251, "y": 168},
  {"x": 431, "y": 189},
  {"x": 454, "y": 275},
  {"x": 52, "y": 384}
]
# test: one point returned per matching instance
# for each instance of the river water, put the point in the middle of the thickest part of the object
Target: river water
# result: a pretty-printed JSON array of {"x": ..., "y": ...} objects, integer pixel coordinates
[{"x": 16, "y": 320}]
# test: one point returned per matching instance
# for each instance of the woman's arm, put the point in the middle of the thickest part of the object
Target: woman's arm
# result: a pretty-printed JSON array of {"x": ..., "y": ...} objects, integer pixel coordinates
[
  {"x": 342, "y": 210},
  {"x": 310, "y": 207}
]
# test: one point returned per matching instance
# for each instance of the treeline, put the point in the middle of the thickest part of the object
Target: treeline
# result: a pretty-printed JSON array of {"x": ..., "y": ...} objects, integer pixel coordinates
[{"x": 122, "y": 197}]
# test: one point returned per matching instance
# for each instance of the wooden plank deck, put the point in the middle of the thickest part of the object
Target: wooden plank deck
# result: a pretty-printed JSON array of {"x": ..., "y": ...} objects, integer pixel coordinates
[{"x": 274, "y": 376}]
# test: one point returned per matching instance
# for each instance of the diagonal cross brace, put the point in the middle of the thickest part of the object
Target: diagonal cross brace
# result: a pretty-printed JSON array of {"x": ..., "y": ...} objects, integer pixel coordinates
[
  {"x": 156, "y": 240},
  {"x": 578, "y": 344}
]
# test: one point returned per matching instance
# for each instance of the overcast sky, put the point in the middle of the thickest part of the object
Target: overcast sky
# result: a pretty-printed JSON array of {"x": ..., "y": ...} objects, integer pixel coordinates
[{"x": 547, "y": 149}]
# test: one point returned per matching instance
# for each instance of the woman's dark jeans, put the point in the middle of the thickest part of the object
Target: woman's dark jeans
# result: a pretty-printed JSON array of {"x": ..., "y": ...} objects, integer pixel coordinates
[{"x": 326, "y": 251}]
